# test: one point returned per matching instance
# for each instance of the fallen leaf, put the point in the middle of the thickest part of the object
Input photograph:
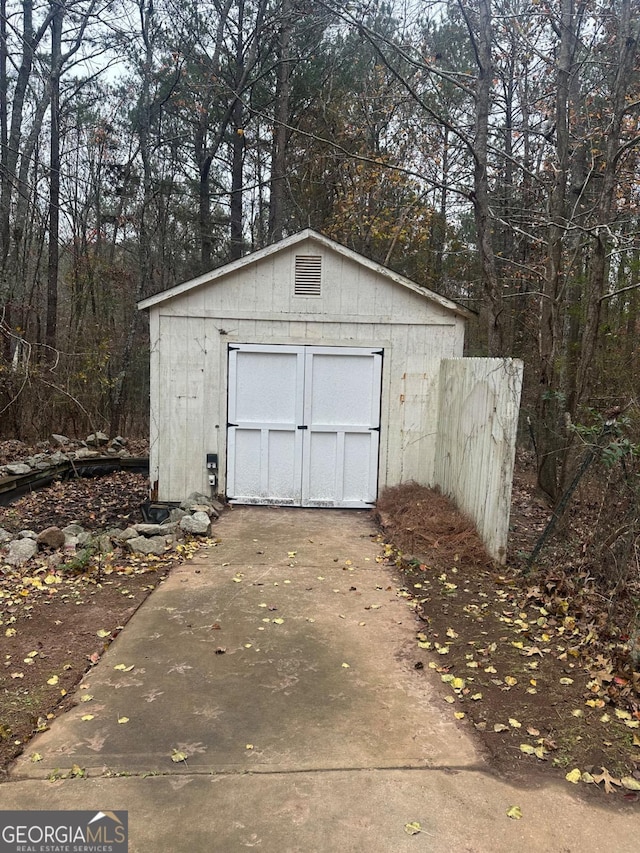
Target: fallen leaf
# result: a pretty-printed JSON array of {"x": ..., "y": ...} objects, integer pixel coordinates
[
  {"x": 566, "y": 681},
  {"x": 122, "y": 667},
  {"x": 413, "y": 828},
  {"x": 178, "y": 756},
  {"x": 574, "y": 776},
  {"x": 123, "y": 720},
  {"x": 608, "y": 779},
  {"x": 630, "y": 783},
  {"x": 53, "y": 680},
  {"x": 102, "y": 633},
  {"x": 500, "y": 727},
  {"x": 514, "y": 812},
  {"x": 459, "y": 715},
  {"x": 516, "y": 724},
  {"x": 87, "y": 717},
  {"x": 346, "y": 666},
  {"x": 36, "y": 757}
]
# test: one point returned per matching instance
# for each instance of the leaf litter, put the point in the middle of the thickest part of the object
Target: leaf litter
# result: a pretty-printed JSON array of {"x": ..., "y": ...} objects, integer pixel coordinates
[
  {"x": 520, "y": 655},
  {"x": 61, "y": 618}
]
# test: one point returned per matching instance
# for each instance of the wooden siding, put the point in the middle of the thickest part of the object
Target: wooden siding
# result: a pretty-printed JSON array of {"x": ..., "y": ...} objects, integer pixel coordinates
[
  {"x": 189, "y": 389},
  {"x": 264, "y": 290},
  {"x": 475, "y": 449}
]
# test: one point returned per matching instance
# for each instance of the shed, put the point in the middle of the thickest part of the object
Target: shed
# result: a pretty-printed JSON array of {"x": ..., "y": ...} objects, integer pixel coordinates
[{"x": 303, "y": 374}]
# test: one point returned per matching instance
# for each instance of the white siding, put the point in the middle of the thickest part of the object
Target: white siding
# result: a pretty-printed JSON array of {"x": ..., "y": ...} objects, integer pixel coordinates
[
  {"x": 477, "y": 423},
  {"x": 190, "y": 394}
]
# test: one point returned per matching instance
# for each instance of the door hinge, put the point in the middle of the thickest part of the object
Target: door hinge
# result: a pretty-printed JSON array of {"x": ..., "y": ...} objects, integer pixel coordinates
[
  {"x": 377, "y": 352},
  {"x": 232, "y": 347},
  {"x": 231, "y": 425},
  {"x": 303, "y": 427},
  {"x": 375, "y": 429}
]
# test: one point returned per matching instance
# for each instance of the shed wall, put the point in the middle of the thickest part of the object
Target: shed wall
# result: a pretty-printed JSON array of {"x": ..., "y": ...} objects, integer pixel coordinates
[{"x": 189, "y": 379}]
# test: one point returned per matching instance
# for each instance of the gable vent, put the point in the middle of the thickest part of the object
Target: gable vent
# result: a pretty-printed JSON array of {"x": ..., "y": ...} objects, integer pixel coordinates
[{"x": 308, "y": 276}]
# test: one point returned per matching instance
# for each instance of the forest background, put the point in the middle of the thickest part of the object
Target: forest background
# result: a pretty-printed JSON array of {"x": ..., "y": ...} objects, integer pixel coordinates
[{"x": 486, "y": 149}]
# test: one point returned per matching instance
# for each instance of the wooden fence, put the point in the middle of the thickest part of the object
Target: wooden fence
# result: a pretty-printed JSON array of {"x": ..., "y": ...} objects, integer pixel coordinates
[{"x": 477, "y": 423}]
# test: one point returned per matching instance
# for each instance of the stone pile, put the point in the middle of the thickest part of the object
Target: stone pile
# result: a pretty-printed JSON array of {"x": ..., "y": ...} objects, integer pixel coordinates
[
  {"x": 62, "y": 449},
  {"x": 192, "y": 518}
]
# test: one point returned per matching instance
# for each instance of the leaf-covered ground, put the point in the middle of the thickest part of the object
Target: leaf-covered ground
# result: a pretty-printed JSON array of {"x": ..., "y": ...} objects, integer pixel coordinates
[
  {"x": 523, "y": 658},
  {"x": 52, "y": 618}
]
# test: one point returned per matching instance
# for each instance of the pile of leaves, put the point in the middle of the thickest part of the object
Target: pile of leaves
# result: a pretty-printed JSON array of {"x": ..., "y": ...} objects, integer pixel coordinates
[
  {"x": 521, "y": 656},
  {"x": 96, "y": 504}
]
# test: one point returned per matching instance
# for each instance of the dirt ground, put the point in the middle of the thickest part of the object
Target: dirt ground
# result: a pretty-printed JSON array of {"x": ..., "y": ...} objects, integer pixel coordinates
[
  {"x": 55, "y": 622},
  {"x": 522, "y": 657}
]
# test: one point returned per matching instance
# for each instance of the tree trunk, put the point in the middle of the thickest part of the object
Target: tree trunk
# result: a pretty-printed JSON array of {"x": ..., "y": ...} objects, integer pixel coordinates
[
  {"x": 54, "y": 181},
  {"x": 277, "y": 184}
]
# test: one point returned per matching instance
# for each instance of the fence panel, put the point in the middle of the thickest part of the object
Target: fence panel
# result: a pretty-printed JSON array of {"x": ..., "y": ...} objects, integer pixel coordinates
[{"x": 475, "y": 448}]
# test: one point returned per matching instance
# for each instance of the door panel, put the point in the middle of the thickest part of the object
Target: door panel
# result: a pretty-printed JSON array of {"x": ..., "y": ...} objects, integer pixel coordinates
[
  {"x": 342, "y": 401},
  {"x": 264, "y": 445}
]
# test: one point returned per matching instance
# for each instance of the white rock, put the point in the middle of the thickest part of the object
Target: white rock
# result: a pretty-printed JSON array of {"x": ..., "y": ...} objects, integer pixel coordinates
[
  {"x": 198, "y": 523},
  {"x": 18, "y": 468},
  {"x": 148, "y": 545},
  {"x": 27, "y": 534},
  {"x": 20, "y": 551}
]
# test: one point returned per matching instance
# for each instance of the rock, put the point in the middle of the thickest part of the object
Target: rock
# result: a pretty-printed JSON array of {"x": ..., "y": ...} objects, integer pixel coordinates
[
  {"x": 127, "y": 533},
  {"x": 84, "y": 538},
  {"x": 105, "y": 545},
  {"x": 60, "y": 440},
  {"x": 73, "y": 529},
  {"x": 97, "y": 438},
  {"x": 27, "y": 534},
  {"x": 5, "y": 536},
  {"x": 85, "y": 453},
  {"x": 119, "y": 440},
  {"x": 17, "y": 468},
  {"x": 210, "y": 511},
  {"x": 195, "y": 498},
  {"x": 217, "y": 505},
  {"x": 57, "y": 458},
  {"x": 70, "y": 542},
  {"x": 156, "y": 529},
  {"x": 42, "y": 466},
  {"x": 198, "y": 523},
  {"x": 148, "y": 545},
  {"x": 51, "y": 537},
  {"x": 20, "y": 551},
  {"x": 177, "y": 514}
]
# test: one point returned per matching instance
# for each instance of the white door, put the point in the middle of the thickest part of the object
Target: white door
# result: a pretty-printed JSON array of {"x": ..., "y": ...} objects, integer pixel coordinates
[{"x": 304, "y": 425}]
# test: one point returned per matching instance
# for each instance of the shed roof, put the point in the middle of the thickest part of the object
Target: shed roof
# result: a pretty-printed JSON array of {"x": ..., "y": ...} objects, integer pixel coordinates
[{"x": 292, "y": 241}]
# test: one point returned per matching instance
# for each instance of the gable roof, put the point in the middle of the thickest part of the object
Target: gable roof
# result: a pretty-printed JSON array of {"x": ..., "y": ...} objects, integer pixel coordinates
[{"x": 289, "y": 242}]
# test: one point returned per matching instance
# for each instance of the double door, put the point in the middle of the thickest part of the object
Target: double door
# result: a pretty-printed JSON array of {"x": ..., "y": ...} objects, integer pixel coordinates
[{"x": 304, "y": 425}]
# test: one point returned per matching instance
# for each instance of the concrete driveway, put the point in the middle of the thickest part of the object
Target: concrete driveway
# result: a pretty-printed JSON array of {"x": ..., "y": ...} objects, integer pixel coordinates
[{"x": 278, "y": 668}]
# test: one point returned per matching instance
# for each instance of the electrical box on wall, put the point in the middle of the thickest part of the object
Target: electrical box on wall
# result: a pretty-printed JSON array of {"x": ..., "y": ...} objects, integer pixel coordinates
[{"x": 212, "y": 468}]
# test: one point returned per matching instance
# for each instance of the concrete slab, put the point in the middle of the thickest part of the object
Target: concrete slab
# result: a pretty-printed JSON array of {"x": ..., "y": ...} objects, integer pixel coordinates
[
  {"x": 281, "y": 664},
  {"x": 292, "y": 664}
]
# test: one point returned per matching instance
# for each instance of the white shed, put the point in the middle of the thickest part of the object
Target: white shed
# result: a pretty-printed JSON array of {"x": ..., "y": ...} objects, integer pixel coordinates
[{"x": 303, "y": 374}]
